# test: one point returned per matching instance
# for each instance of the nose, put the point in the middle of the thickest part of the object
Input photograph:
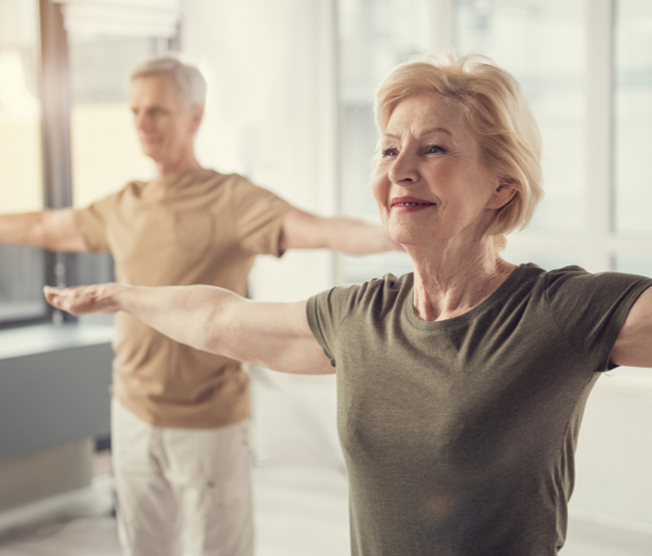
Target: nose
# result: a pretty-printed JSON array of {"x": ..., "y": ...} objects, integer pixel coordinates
[
  {"x": 141, "y": 121},
  {"x": 404, "y": 169}
]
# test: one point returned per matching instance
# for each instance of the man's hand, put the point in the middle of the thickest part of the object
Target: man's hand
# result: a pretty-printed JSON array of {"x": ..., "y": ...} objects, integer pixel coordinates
[
  {"x": 303, "y": 230},
  {"x": 51, "y": 229},
  {"x": 81, "y": 300}
]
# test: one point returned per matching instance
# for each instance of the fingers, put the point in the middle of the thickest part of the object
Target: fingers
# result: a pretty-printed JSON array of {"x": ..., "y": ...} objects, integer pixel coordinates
[
  {"x": 80, "y": 300},
  {"x": 69, "y": 299},
  {"x": 52, "y": 296},
  {"x": 57, "y": 297}
]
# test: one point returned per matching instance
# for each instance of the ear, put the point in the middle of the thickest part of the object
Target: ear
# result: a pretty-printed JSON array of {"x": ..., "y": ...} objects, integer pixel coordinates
[
  {"x": 503, "y": 193},
  {"x": 196, "y": 116}
]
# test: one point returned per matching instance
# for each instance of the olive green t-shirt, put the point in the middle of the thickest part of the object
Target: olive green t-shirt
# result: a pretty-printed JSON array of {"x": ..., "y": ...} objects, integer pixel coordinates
[
  {"x": 199, "y": 228},
  {"x": 459, "y": 435}
]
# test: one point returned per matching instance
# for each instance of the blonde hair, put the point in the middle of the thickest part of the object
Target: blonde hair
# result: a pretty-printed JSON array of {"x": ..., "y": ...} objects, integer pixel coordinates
[
  {"x": 189, "y": 80},
  {"x": 496, "y": 112}
]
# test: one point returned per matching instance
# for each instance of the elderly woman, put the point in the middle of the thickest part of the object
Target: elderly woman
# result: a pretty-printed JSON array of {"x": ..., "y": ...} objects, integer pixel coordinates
[{"x": 461, "y": 386}]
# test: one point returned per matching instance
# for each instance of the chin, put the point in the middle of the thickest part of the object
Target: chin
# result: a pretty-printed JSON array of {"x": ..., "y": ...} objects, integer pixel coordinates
[
  {"x": 152, "y": 152},
  {"x": 406, "y": 235}
]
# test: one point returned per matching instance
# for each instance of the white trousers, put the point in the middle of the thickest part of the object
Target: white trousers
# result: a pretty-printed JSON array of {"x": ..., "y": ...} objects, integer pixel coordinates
[{"x": 181, "y": 491}]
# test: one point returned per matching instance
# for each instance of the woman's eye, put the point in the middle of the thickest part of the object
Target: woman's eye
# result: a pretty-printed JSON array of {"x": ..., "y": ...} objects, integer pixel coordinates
[
  {"x": 389, "y": 152},
  {"x": 434, "y": 149}
]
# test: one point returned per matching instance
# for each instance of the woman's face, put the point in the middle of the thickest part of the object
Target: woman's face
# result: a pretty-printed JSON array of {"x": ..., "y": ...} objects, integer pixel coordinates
[{"x": 430, "y": 183}]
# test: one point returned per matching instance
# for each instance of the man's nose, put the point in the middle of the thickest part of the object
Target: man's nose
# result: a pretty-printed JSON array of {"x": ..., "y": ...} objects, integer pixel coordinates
[{"x": 142, "y": 122}]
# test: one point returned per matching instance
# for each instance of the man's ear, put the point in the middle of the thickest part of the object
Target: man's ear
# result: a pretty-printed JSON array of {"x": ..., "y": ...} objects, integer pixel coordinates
[
  {"x": 504, "y": 192},
  {"x": 196, "y": 116}
]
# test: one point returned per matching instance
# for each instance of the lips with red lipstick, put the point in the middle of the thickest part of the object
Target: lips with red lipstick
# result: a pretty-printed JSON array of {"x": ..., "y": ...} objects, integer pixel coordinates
[{"x": 409, "y": 204}]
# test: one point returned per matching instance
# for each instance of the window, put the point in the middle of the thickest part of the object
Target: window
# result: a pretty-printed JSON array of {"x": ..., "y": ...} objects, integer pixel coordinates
[
  {"x": 21, "y": 168},
  {"x": 105, "y": 42},
  {"x": 586, "y": 68},
  {"x": 633, "y": 136},
  {"x": 633, "y": 108},
  {"x": 78, "y": 144},
  {"x": 104, "y": 148}
]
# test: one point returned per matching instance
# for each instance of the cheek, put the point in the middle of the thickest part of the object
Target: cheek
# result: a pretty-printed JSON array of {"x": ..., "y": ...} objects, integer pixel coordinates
[{"x": 379, "y": 186}]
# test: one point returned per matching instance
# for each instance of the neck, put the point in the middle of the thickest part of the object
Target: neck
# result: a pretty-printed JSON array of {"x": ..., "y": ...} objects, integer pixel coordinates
[
  {"x": 173, "y": 167},
  {"x": 449, "y": 280}
]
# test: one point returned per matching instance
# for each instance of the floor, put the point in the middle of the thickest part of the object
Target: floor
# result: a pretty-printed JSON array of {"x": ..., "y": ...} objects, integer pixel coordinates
[{"x": 301, "y": 510}]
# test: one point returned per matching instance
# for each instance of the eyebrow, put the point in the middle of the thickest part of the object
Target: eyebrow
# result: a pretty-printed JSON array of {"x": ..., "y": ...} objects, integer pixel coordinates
[{"x": 428, "y": 131}]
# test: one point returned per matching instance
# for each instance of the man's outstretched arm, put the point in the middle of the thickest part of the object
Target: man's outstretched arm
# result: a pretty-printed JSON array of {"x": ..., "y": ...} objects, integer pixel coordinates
[
  {"x": 50, "y": 229},
  {"x": 303, "y": 230},
  {"x": 273, "y": 335}
]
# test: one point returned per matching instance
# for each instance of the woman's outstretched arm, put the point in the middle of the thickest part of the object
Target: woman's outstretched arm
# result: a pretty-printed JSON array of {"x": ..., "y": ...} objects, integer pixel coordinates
[{"x": 272, "y": 335}]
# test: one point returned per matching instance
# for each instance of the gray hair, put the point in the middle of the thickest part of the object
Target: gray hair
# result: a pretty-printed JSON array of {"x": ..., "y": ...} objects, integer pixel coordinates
[{"x": 189, "y": 80}]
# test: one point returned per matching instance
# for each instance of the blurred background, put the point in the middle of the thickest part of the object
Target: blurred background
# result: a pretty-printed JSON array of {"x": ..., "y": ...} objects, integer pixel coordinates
[{"x": 291, "y": 84}]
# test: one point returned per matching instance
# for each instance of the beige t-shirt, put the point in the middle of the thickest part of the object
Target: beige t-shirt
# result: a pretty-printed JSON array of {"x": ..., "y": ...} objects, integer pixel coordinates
[{"x": 199, "y": 228}]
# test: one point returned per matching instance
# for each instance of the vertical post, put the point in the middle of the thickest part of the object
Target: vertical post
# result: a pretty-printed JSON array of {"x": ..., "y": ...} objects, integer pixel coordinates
[
  {"x": 55, "y": 94},
  {"x": 599, "y": 139},
  {"x": 328, "y": 82},
  {"x": 335, "y": 195},
  {"x": 442, "y": 18}
]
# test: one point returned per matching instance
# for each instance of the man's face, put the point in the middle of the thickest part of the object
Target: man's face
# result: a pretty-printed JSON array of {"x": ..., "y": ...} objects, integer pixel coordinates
[{"x": 165, "y": 126}]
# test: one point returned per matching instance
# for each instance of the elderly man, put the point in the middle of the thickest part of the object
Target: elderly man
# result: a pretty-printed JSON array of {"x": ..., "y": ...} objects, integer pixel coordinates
[{"x": 180, "y": 416}]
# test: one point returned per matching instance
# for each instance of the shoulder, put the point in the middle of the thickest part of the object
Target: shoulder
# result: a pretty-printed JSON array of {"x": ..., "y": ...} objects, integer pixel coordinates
[
  {"x": 357, "y": 304},
  {"x": 599, "y": 302},
  {"x": 107, "y": 203},
  {"x": 206, "y": 179},
  {"x": 243, "y": 193},
  {"x": 572, "y": 287},
  {"x": 378, "y": 295},
  {"x": 574, "y": 280},
  {"x": 239, "y": 184}
]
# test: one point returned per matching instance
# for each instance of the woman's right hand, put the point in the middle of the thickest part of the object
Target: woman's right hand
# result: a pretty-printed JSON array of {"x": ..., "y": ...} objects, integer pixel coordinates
[
  {"x": 81, "y": 300},
  {"x": 272, "y": 335}
]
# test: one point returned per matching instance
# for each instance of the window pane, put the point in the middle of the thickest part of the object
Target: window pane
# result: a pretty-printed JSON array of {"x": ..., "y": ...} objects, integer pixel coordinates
[
  {"x": 105, "y": 149},
  {"x": 633, "y": 105},
  {"x": 542, "y": 43},
  {"x": 373, "y": 38},
  {"x": 21, "y": 171},
  {"x": 633, "y": 265},
  {"x": 22, "y": 274}
]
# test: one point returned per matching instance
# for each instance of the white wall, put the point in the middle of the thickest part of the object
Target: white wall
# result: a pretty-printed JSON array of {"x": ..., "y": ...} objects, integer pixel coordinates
[
  {"x": 271, "y": 112},
  {"x": 614, "y": 455},
  {"x": 272, "y": 115}
]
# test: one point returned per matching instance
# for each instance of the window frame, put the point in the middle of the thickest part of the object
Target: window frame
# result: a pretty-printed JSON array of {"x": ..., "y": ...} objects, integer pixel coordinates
[
  {"x": 52, "y": 95},
  {"x": 54, "y": 85}
]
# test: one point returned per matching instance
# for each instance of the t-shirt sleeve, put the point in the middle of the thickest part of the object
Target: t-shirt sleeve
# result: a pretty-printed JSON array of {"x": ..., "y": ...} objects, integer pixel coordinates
[
  {"x": 91, "y": 223},
  {"x": 326, "y": 311},
  {"x": 258, "y": 216},
  {"x": 590, "y": 309}
]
